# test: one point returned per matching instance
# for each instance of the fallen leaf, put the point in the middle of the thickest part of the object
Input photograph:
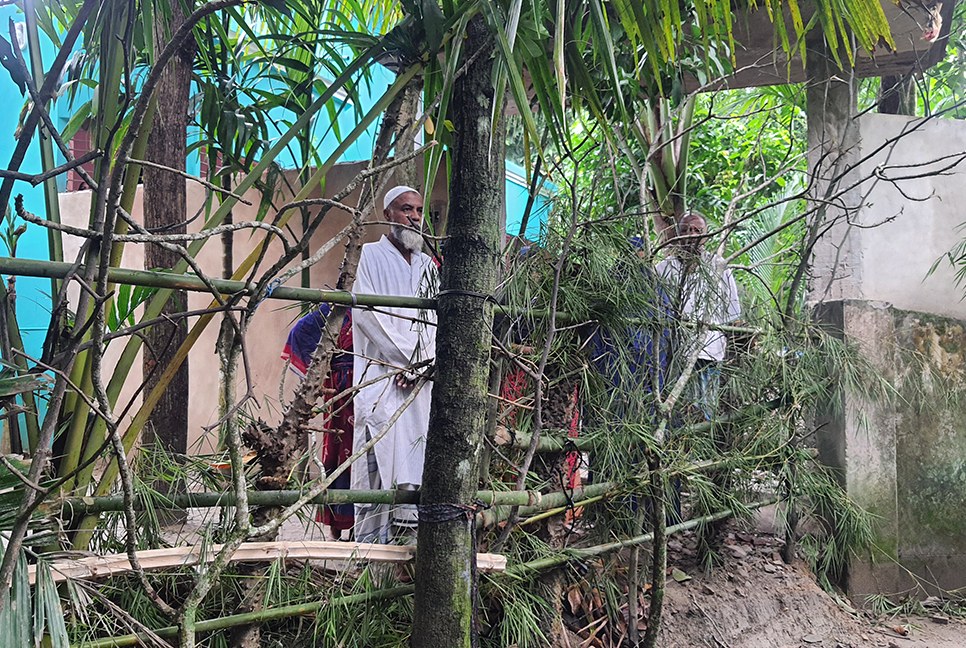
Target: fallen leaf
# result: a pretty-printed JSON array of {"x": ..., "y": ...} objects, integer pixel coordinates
[
  {"x": 574, "y": 598},
  {"x": 812, "y": 638},
  {"x": 679, "y": 576}
]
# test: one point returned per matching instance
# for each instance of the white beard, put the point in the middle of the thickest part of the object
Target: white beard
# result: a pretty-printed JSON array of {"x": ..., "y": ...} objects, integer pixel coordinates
[{"x": 409, "y": 239}]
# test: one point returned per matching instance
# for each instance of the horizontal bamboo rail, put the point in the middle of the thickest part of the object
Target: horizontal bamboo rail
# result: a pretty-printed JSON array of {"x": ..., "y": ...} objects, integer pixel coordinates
[
  {"x": 566, "y": 555},
  {"x": 500, "y": 512},
  {"x": 158, "y": 279},
  {"x": 155, "y": 279},
  {"x": 91, "y": 567},
  {"x": 261, "y": 616},
  {"x": 557, "y": 443},
  {"x": 90, "y": 505}
]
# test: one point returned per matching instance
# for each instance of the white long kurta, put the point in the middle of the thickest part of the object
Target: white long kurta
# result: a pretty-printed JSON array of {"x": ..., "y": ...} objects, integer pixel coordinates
[
  {"x": 708, "y": 294},
  {"x": 383, "y": 344}
]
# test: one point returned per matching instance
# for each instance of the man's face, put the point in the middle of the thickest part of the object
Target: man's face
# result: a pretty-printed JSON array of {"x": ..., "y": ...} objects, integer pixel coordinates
[
  {"x": 406, "y": 209},
  {"x": 693, "y": 229}
]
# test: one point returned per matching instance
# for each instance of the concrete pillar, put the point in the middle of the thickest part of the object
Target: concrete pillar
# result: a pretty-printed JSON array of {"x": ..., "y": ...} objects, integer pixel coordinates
[
  {"x": 858, "y": 436},
  {"x": 857, "y": 439},
  {"x": 832, "y": 151}
]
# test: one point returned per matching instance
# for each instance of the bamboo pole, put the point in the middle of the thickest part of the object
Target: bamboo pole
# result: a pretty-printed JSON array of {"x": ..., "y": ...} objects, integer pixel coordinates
[
  {"x": 567, "y": 555},
  {"x": 191, "y": 283},
  {"x": 548, "y": 443},
  {"x": 559, "y": 499},
  {"x": 261, "y": 616},
  {"x": 93, "y": 505},
  {"x": 153, "y": 279},
  {"x": 533, "y": 502}
]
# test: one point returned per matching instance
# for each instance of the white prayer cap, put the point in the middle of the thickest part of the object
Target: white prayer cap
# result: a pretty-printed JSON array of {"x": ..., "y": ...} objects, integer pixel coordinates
[{"x": 394, "y": 193}]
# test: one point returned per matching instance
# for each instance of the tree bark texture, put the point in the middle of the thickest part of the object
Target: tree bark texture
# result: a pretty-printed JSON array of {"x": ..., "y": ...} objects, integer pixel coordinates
[
  {"x": 165, "y": 211},
  {"x": 408, "y": 174},
  {"x": 444, "y": 570}
]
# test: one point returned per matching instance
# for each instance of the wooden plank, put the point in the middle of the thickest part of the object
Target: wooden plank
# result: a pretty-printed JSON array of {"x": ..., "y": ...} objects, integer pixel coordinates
[{"x": 95, "y": 567}]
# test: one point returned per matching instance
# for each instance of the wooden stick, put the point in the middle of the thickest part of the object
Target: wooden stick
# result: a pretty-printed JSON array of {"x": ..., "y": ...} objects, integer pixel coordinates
[{"x": 176, "y": 557}]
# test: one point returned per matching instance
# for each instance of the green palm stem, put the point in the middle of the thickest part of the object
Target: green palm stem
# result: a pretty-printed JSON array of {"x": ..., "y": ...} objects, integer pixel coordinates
[
  {"x": 109, "y": 89},
  {"x": 305, "y": 53},
  {"x": 31, "y": 416},
  {"x": 55, "y": 241},
  {"x": 80, "y": 446},
  {"x": 133, "y": 431}
]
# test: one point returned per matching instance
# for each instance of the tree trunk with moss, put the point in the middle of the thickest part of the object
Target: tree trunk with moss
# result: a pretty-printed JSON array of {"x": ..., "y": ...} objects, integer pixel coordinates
[{"x": 445, "y": 574}]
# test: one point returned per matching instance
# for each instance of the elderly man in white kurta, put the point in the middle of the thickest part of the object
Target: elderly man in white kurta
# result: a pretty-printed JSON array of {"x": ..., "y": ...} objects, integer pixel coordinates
[
  {"x": 388, "y": 342},
  {"x": 702, "y": 291}
]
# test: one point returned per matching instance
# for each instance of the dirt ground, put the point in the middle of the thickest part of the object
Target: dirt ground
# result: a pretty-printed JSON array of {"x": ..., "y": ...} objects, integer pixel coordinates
[{"x": 756, "y": 601}]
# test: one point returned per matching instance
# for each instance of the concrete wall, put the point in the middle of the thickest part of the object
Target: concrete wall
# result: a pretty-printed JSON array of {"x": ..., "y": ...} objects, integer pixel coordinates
[
  {"x": 908, "y": 193},
  {"x": 900, "y": 209}
]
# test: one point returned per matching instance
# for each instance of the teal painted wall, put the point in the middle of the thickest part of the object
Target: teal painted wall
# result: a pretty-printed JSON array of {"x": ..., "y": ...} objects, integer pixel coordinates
[{"x": 33, "y": 295}]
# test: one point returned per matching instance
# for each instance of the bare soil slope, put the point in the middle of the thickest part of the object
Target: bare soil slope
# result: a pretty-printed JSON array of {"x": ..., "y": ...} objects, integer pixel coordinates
[{"x": 756, "y": 601}]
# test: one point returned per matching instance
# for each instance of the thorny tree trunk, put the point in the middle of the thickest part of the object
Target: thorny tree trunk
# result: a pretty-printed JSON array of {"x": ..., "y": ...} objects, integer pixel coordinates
[
  {"x": 445, "y": 573},
  {"x": 165, "y": 211}
]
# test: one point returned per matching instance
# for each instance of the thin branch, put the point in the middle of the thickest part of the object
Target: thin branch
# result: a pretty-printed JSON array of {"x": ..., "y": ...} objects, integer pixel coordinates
[
  {"x": 37, "y": 178},
  {"x": 188, "y": 176}
]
